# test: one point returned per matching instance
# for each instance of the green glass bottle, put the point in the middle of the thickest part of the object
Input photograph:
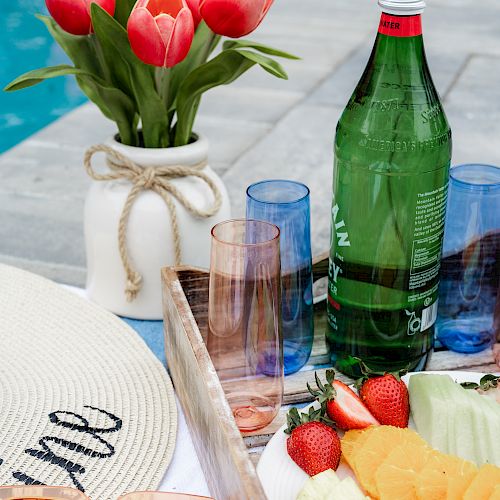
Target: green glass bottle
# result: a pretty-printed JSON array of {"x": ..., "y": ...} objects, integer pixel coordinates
[{"x": 392, "y": 157}]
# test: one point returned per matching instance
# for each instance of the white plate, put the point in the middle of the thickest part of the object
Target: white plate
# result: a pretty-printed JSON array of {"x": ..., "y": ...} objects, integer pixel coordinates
[{"x": 283, "y": 479}]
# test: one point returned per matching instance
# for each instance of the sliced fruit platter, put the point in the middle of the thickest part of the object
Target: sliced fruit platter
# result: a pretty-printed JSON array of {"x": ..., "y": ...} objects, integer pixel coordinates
[{"x": 421, "y": 436}]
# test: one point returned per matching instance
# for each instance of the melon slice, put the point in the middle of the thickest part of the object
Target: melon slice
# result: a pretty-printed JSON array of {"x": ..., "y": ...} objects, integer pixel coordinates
[
  {"x": 318, "y": 486},
  {"x": 455, "y": 420},
  {"x": 462, "y": 438},
  {"x": 487, "y": 417},
  {"x": 430, "y": 409},
  {"x": 346, "y": 490},
  {"x": 327, "y": 486}
]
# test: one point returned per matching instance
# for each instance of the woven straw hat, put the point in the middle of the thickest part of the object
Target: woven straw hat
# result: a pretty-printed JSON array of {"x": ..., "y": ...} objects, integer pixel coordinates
[{"x": 83, "y": 402}]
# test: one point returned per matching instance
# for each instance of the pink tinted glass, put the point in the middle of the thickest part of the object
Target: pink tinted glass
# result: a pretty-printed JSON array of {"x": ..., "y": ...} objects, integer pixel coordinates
[{"x": 244, "y": 315}]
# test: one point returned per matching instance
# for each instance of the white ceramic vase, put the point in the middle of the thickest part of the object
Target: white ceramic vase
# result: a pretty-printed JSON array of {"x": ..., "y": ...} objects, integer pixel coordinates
[{"x": 149, "y": 237}]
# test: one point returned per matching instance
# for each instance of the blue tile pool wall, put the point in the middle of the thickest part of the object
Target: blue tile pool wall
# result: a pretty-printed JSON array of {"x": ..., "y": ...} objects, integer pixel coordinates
[{"x": 25, "y": 44}]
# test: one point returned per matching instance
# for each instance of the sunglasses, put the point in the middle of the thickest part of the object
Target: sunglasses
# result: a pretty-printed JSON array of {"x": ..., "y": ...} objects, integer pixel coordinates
[{"x": 59, "y": 493}]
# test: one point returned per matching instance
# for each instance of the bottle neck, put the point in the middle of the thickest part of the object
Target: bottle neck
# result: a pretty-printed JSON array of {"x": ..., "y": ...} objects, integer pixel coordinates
[
  {"x": 399, "y": 42},
  {"x": 400, "y": 26}
]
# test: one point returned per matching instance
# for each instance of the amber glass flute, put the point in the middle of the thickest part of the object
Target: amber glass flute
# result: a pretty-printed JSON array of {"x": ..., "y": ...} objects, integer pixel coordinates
[{"x": 244, "y": 319}]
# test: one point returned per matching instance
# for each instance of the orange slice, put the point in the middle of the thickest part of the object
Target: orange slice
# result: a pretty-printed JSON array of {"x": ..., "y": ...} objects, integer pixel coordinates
[
  {"x": 444, "y": 477},
  {"x": 496, "y": 493},
  {"x": 351, "y": 443},
  {"x": 379, "y": 444},
  {"x": 484, "y": 484},
  {"x": 396, "y": 477},
  {"x": 394, "y": 483}
]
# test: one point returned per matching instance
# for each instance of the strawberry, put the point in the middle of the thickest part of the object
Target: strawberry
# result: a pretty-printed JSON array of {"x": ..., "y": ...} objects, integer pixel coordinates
[
  {"x": 342, "y": 404},
  {"x": 313, "y": 445},
  {"x": 385, "y": 395}
]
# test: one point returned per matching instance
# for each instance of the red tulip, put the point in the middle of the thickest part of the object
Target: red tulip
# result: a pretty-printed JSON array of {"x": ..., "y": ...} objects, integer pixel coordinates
[
  {"x": 233, "y": 18},
  {"x": 194, "y": 6},
  {"x": 73, "y": 16},
  {"x": 161, "y": 31}
]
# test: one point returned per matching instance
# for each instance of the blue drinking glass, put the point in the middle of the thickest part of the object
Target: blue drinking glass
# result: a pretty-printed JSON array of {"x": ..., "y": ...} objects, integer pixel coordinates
[
  {"x": 286, "y": 204},
  {"x": 470, "y": 266}
]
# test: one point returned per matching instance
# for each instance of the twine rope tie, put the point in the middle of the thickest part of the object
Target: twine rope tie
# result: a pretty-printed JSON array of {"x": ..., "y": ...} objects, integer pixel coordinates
[{"x": 155, "y": 178}]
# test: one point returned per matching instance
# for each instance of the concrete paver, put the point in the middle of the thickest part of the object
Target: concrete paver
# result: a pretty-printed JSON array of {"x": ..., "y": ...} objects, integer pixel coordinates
[{"x": 261, "y": 126}]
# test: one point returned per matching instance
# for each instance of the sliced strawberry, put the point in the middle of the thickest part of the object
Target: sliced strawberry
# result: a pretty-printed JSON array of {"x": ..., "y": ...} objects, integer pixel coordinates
[
  {"x": 347, "y": 410},
  {"x": 342, "y": 404},
  {"x": 313, "y": 445}
]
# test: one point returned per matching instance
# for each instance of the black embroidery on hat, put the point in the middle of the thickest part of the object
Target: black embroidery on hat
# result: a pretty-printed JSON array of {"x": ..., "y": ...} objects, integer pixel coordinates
[{"x": 72, "y": 468}]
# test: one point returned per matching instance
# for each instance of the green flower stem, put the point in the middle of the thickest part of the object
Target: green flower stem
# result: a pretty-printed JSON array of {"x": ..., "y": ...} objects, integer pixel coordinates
[
  {"x": 126, "y": 132},
  {"x": 163, "y": 77},
  {"x": 211, "y": 44},
  {"x": 163, "y": 84}
]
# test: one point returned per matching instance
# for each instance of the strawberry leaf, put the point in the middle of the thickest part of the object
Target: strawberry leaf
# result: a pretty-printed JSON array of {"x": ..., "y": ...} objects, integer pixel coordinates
[
  {"x": 359, "y": 382},
  {"x": 321, "y": 387},
  {"x": 326, "y": 392},
  {"x": 367, "y": 372},
  {"x": 295, "y": 419}
]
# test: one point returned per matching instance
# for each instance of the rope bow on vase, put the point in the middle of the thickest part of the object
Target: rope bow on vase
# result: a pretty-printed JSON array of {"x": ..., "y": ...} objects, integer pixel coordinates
[{"x": 154, "y": 178}]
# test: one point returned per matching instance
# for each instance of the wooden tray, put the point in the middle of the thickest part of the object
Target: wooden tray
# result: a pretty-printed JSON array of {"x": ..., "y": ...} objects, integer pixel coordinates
[{"x": 227, "y": 457}]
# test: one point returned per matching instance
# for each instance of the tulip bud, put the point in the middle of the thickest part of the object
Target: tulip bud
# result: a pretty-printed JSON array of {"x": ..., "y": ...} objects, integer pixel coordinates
[
  {"x": 73, "y": 16},
  {"x": 161, "y": 31},
  {"x": 194, "y": 6},
  {"x": 233, "y": 18}
]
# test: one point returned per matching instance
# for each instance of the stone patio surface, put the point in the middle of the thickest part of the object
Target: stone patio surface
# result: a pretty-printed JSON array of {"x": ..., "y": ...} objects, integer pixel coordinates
[{"x": 262, "y": 127}]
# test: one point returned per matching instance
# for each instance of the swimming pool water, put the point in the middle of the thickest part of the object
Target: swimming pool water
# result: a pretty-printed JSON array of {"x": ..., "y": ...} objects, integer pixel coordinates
[{"x": 25, "y": 44}]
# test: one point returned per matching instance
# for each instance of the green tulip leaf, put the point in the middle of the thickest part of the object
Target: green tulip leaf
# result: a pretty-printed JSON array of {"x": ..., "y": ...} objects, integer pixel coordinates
[
  {"x": 204, "y": 42},
  {"x": 115, "y": 105},
  {"x": 122, "y": 11},
  {"x": 85, "y": 52},
  {"x": 80, "y": 49},
  {"x": 113, "y": 47},
  {"x": 133, "y": 76},
  {"x": 39, "y": 75},
  {"x": 266, "y": 63},
  {"x": 249, "y": 44},
  {"x": 221, "y": 70}
]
